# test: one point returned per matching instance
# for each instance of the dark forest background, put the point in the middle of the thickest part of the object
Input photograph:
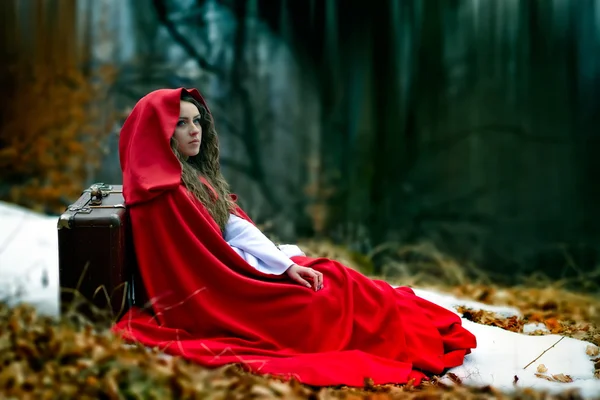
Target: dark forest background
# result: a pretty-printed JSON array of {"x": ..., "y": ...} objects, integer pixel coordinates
[{"x": 470, "y": 125}]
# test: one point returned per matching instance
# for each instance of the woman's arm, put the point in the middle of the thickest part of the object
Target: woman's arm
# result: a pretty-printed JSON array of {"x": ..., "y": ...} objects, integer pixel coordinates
[
  {"x": 255, "y": 247},
  {"x": 261, "y": 253}
]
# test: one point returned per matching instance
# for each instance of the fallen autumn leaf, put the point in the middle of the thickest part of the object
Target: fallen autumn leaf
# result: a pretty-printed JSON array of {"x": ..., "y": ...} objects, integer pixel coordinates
[
  {"x": 592, "y": 350},
  {"x": 542, "y": 368}
]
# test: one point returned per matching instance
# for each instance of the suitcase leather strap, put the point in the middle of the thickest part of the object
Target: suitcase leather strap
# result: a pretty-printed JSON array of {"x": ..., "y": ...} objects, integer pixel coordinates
[{"x": 97, "y": 192}]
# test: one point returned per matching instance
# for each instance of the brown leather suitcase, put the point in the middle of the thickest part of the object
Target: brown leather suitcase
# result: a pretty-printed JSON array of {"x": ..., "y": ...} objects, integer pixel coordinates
[{"x": 97, "y": 268}]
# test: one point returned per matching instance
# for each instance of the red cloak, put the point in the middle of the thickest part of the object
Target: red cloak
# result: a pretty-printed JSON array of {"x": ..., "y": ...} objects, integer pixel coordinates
[{"x": 211, "y": 307}]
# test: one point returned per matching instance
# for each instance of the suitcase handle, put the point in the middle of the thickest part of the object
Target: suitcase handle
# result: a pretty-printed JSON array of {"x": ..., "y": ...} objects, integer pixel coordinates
[{"x": 99, "y": 191}]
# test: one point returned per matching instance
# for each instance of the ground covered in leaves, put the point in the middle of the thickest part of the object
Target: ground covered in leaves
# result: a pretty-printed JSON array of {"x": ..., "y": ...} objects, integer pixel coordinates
[{"x": 41, "y": 358}]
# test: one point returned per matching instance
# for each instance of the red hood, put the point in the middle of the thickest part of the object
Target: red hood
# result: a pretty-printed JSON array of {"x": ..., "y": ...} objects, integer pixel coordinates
[{"x": 148, "y": 164}]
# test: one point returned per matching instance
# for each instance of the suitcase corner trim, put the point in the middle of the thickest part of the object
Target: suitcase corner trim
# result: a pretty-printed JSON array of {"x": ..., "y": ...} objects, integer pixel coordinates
[{"x": 65, "y": 221}]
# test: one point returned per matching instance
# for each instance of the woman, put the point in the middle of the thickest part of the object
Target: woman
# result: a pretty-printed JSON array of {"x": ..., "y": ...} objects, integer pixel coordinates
[
  {"x": 247, "y": 240},
  {"x": 223, "y": 293}
]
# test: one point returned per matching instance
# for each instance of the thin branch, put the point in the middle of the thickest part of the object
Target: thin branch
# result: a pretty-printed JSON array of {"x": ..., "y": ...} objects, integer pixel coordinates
[
  {"x": 544, "y": 352},
  {"x": 161, "y": 11}
]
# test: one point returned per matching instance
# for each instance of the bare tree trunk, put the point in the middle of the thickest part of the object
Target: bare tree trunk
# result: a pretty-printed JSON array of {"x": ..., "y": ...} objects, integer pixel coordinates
[{"x": 240, "y": 91}]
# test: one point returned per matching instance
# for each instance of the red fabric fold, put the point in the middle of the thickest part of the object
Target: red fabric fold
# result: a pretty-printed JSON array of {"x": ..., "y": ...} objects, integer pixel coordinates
[{"x": 210, "y": 306}]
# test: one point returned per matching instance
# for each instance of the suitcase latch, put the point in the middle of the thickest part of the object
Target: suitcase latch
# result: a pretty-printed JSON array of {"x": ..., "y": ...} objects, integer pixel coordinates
[{"x": 82, "y": 210}]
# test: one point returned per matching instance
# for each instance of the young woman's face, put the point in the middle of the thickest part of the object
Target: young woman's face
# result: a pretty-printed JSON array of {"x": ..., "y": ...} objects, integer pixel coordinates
[{"x": 188, "y": 131}]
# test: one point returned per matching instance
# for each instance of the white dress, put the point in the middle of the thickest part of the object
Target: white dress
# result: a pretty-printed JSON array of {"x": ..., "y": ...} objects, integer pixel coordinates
[{"x": 257, "y": 249}]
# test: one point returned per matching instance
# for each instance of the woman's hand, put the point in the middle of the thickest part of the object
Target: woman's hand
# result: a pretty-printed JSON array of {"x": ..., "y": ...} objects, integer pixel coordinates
[{"x": 301, "y": 274}]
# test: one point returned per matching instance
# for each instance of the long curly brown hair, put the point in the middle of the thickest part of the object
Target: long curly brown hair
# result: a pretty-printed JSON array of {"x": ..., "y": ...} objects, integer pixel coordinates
[{"x": 206, "y": 164}]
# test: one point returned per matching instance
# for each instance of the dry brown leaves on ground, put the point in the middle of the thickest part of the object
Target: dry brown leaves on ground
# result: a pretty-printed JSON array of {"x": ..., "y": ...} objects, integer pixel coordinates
[
  {"x": 555, "y": 378},
  {"x": 552, "y": 306},
  {"x": 44, "y": 359},
  {"x": 513, "y": 324},
  {"x": 562, "y": 312}
]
